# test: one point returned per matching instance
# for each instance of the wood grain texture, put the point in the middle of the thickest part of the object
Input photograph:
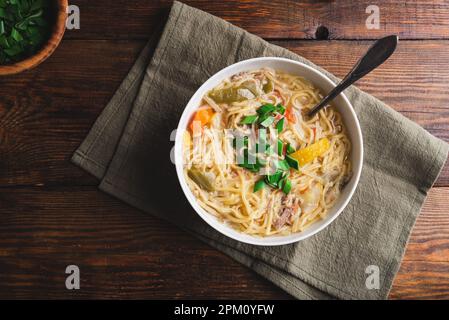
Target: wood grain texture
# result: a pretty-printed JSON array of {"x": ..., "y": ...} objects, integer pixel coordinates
[
  {"x": 63, "y": 97},
  {"x": 123, "y": 253},
  {"x": 286, "y": 19},
  {"x": 51, "y": 108},
  {"x": 429, "y": 239},
  {"x": 425, "y": 266},
  {"x": 421, "y": 280},
  {"x": 52, "y": 215}
]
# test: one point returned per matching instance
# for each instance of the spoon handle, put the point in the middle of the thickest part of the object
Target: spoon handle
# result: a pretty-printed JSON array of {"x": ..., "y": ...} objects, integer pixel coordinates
[{"x": 377, "y": 54}]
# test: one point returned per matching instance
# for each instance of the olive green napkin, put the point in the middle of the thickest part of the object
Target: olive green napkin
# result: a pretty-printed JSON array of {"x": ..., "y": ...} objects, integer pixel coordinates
[{"x": 129, "y": 146}]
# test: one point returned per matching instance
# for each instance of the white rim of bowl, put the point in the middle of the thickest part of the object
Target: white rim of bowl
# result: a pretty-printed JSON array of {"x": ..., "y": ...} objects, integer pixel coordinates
[{"x": 207, "y": 217}]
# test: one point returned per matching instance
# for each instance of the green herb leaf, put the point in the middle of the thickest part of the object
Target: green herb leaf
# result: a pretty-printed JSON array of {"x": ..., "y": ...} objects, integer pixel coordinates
[
  {"x": 270, "y": 150},
  {"x": 4, "y": 42},
  {"x": 259, "y": 185},
  {"x": 287, "y": 186},
  {"x": 245, "y": 141},
  {"x": 268, "y": 121},
  {"x": 37, "y": 4},
  {"x": 280, "y": 108},
  {"x": 13, "y": 50},
  {"x": 262, "y": 138},
  {"x": 3, "y": 13},
  {"x": 292, "y": 162},
  {"x": 290, "y": 149},
  {"x": 249, "y": 119},
  {"x": 16, "y": 35},
  {"x": 273, "y": 180},
  {"x": 261, "y": 162},
  {"x": 281, "y": 183},
  {"x": 266, "y": 109},
  {"x": 24, "y": 28},
  {"x": 280, "y": 125},
  {"x": 251, "y": 167},
  {"x": 280, "y": 147},
  {"x": 283, "y": 165}
]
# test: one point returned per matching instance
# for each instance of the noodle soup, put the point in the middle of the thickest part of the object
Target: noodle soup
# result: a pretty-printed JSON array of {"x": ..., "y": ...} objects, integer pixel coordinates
[{"x": 254, "y": 160}]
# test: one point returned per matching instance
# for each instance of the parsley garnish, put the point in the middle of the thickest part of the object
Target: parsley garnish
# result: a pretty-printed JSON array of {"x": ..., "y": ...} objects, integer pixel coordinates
[{"x": 24, "y": 28}]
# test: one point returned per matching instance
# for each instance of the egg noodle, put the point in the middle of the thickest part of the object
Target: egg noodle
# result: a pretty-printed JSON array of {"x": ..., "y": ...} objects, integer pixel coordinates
[{"x": 227, "y": 190}]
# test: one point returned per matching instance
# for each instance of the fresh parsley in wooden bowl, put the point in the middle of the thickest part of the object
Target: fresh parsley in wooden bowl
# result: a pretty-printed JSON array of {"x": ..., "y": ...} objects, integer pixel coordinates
[{"x": 30, "y": 31}]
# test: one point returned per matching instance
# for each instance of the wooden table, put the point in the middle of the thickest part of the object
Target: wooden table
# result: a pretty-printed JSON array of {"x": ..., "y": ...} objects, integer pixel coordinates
[{"x": 52, "y": 215}]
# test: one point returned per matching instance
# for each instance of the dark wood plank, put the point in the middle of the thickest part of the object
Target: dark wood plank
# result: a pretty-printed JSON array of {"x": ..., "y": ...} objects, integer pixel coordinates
[
  {"x": 132, "y": 255},
  {"x": 429, "y": 241},
  {"x": 50, "y": 109},
  {"x": 131, "y": 19},
  {"x": 45, "y": 113},
  {"x": 422, "y": 280},
  {"x": 424, "y": 271},
  {"x": 121, "y": 252}
]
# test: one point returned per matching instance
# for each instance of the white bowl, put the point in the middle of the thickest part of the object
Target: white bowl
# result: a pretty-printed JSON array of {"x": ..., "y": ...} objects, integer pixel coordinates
[{"x": 325, "y": 85}]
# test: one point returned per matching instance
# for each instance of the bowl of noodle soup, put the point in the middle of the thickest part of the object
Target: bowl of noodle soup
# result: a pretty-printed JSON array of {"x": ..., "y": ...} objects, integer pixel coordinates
[{"x": 251, "y": 162}]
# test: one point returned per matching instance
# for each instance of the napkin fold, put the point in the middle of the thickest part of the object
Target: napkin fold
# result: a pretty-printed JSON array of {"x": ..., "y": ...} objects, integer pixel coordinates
[{"x": 128, "y": 149}]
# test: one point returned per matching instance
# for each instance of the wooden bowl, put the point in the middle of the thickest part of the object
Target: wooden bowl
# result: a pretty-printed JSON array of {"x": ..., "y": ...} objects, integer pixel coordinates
[{"x": 48, "y": 48}]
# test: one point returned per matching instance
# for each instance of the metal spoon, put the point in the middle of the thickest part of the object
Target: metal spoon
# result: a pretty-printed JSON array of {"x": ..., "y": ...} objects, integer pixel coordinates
[{"x": 379, "y": 52}]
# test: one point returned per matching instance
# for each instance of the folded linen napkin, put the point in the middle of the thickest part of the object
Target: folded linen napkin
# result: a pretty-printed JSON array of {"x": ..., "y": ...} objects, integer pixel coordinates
[{"x": 128, "y": 149}]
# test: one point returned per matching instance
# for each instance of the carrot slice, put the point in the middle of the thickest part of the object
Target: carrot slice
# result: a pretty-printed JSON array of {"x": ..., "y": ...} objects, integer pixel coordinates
[
  {"x": 203, "y": 116},
  {"x": 290, "y": 115}
]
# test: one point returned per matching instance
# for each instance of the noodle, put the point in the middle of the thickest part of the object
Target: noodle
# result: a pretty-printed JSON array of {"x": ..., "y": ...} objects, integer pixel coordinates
[{"x": 229, "y": 191}]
